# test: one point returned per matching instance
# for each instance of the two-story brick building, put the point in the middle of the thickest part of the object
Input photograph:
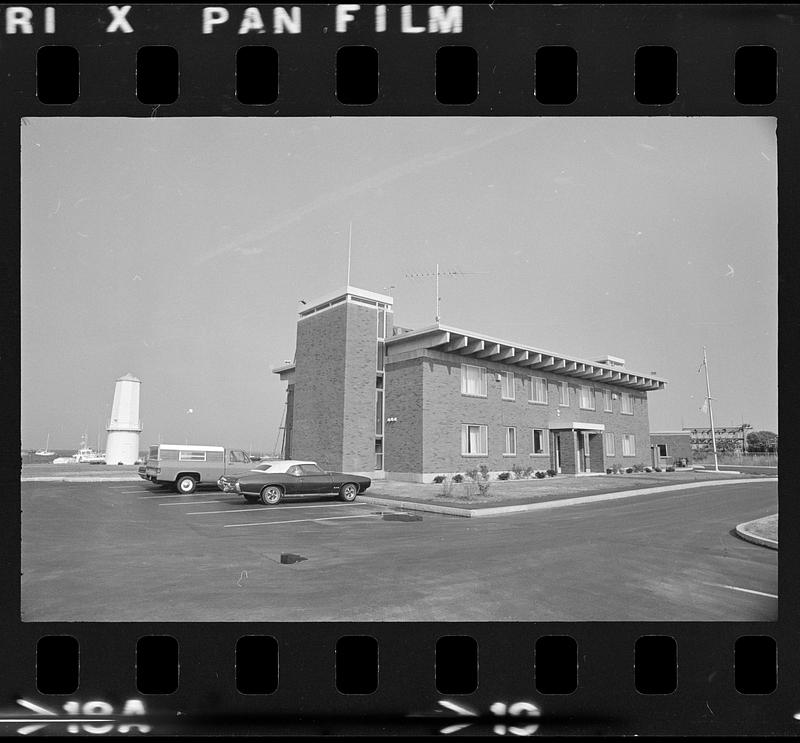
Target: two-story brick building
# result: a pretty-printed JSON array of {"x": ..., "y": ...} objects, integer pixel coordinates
[{"x": 367, "y": 396}]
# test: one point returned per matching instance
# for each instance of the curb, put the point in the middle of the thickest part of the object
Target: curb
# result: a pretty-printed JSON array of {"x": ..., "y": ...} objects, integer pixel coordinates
[
  {"x": 502, "y": 510},
  {"x": 743, "y": 533}
]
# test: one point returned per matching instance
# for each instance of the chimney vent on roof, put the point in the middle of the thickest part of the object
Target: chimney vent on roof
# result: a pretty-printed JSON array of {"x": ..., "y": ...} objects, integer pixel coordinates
[{"x": 612, "y": 361}]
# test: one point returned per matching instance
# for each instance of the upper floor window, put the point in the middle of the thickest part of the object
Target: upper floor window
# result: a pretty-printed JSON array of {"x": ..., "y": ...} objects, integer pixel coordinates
[
  {"x": 538, "y": 390},
  {"x": 607, "y": 401},
  {"x": 627, "y": 403},
  {"x": 507, "y": 381},
  {"x": 563, "y": 394},
  {"x": 473, "y": 380},
  {"x": 587, "y": 398}
]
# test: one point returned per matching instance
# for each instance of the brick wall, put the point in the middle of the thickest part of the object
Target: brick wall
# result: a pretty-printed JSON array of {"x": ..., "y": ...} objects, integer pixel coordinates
[
  {"x": 358, "y": 436},
  {"x": 318, "y": 411},
  {"x": 446, "y": 409},
  {"x": 679, "y": 445},
  {"x": 403, "y": 441}
]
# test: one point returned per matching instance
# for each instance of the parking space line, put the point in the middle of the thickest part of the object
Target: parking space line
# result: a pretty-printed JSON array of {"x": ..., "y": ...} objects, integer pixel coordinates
[
  {"x": 177, "y": 495},
  {"x": 276, "y": 508},
  {"x": 297, "y": 521},
  {"x": 745, "y": 590},
  {"x": 196, "y": 503}
]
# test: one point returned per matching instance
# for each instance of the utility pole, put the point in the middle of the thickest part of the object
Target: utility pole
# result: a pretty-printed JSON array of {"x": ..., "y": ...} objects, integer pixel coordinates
[{"x": 710, "y": 412}]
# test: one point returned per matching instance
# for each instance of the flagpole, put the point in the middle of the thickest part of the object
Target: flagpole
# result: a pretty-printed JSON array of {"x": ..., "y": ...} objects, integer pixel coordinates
[
  {"x": 437, "y": 292},
  {"x": 349, "y": 249},
  {"x": 710, "y": 412}
]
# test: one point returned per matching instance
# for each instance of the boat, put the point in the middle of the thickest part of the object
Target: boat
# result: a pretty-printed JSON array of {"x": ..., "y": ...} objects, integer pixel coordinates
[
  {"x": 46, "y": 451},
  {"x": 84, "y": 455}
]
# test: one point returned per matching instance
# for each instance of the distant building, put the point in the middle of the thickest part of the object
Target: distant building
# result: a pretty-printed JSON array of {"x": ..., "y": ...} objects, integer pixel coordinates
[
  {"x": 122, "y": 444},
  {"x": 364, "y": 395},
  {"x": 671, "y": 447}
]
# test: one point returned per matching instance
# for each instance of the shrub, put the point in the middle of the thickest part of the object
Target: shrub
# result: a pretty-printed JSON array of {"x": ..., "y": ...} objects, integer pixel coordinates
[
  {"x": 439, "y": 479},
  {"x": 504, "y": 476},
  {"x": 638, "y": 468},
  {"x": 447, "y": 485},
  {"x": 609, "y": 471},
  {"x": 472, "y": 474},
  {"x": 484, "y": 470},
  {"x": 484, "y": 483},
  {"x": 458, "y": 478},
  {"x": 628, "y": 470},
  {"x": 657, "y": 469},
  {"x": 517, "y": 470},
  {"x": 551, "y": 473},
  {"x": 528, "y": 472},
  {"x": 648, "y": 469},
  {"x": 670, "y": 469},
  {"x": 540, "y": 474}
]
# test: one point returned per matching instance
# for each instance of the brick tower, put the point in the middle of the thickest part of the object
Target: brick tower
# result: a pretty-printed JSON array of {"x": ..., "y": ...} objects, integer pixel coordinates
[{"x": 335, "y": 396}]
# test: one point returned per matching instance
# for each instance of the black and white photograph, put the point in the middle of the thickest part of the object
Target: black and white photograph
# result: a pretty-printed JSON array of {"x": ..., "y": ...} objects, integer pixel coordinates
[{"x": 399, "y": 369}]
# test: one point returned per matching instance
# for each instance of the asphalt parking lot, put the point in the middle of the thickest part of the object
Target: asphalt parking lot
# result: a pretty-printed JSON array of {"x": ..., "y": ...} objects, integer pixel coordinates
[{"x": 129, "y": 552}]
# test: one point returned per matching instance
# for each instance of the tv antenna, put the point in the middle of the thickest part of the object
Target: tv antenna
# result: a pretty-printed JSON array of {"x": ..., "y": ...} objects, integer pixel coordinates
[{"x": 455, "y": 274}]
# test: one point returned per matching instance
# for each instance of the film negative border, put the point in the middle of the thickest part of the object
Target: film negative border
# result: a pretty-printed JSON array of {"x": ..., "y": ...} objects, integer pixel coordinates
[{"x": 706, "y": 695}]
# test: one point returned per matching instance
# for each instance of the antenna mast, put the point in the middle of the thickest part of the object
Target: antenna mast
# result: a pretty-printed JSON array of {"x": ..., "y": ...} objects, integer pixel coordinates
[{"x": 349, "y": 249}]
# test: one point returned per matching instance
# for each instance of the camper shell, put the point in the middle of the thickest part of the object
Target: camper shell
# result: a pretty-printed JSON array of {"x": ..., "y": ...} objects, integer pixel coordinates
[{"x": 185, "y": 466}]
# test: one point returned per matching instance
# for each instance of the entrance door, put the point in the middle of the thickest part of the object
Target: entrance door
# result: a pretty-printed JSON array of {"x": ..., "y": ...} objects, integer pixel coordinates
[
  {"x": 557, "y": 452},
  {"x": 585, "y": 450}
]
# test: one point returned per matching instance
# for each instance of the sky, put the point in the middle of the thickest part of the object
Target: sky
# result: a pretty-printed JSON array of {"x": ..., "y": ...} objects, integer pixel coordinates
[{"x": 179, "y": 249}]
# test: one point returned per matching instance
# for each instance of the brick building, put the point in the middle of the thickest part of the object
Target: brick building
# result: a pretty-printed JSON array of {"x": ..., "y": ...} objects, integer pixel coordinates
[{"x": 364, "y": 395}]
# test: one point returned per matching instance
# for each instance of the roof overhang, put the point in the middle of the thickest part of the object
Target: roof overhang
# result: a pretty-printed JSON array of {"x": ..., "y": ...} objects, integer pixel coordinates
[
  {"x": 478, "y": 346},
  {"x": 576, "y": 426}
]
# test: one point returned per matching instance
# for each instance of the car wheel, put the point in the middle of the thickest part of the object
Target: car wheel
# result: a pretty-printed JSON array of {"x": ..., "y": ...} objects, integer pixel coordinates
[
  {"x": 271, "y": 495},
  {"x": 348, "y": 492},
  {"x": 251, "y": 498},
  {"x": 186, "y": 485}
]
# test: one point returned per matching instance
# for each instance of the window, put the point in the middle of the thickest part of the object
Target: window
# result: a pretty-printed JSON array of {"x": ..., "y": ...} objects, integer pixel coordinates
[
  {"x": 379, "y": 412},
  {"x": 587, "y": 397},
  {"x": 539, "y": 441},
  {"x": 237, "y": 457},
  {"x": 538, "y": 390},
  {"x": 381, "y": 324},
  {"x": 628, "y": 445},
  {"x": 608, "y": 440},
  {"x": 511, "y": 441},
  {"x": 294, "y": 470},
  {"x": 662, "y": 450},
  {"x": 378, "y": 454},
  {"x": 380, "y": 356},
  {"x": 563, "y": 394},
  {"x": 627, "y": 403},
  {"x": 192, "y": 456},
  {"x": 473, "y": 380},
  {"x": 262, "y": 467},
  {"x": 507, "y": 381},
  {"x": 607, "y": 401},
  {"x": 474, "y": 440},
  {"x": 311, "y": 469}
]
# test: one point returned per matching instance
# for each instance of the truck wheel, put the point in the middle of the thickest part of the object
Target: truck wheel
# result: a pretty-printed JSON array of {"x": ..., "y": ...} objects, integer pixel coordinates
[
  {"x": 348, "y": 492},
  {"x": 186, "y": 485},
  {"x": 271, "y": 495},
  {"x": 251, "y": 498}
]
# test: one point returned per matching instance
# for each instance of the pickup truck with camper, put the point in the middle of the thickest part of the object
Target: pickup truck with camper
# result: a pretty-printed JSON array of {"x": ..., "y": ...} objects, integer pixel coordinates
[{"x": 185, "y": 466}]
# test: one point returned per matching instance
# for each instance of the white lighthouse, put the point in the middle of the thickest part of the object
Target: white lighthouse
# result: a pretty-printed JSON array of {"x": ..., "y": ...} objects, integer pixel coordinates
[{"x": 122, "y": 444}]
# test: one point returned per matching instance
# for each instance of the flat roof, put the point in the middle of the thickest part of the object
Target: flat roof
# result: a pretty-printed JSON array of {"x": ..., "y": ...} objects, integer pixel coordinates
[
  {"x": 189, "y": 447},
  {"x": 480, "y": 346},
  {"x": 344, "y": 293}
]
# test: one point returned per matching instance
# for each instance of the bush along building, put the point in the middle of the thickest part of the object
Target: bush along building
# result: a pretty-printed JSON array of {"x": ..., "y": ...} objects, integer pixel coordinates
[{"x": 364, "y": 395}]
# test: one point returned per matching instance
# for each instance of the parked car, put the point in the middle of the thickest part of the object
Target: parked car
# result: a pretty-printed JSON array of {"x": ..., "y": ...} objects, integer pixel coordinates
[
  {"x": 185, "y": 466},
  {"x": 269, "y": 482}
]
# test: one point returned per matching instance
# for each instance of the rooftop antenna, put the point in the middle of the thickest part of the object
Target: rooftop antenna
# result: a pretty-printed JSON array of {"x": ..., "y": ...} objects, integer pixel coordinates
[{"x": 437, "y": 274}]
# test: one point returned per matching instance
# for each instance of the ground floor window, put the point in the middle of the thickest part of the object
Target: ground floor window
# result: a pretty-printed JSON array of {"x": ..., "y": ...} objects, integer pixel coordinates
[
  {"x": 474, "y": 440},
  {"x": 628, "y": 445},
  {"x": 511, "y": 441},
  {"x": 378, "y": 454},
  {"x": 662, "y": 450},
  {"x": 539, "y": 441},
  {"x": 608, "y": 439}
]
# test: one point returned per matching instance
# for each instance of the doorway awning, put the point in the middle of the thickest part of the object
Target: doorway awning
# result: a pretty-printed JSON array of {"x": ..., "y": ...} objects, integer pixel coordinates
[{"x": 576, "y": 426}]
